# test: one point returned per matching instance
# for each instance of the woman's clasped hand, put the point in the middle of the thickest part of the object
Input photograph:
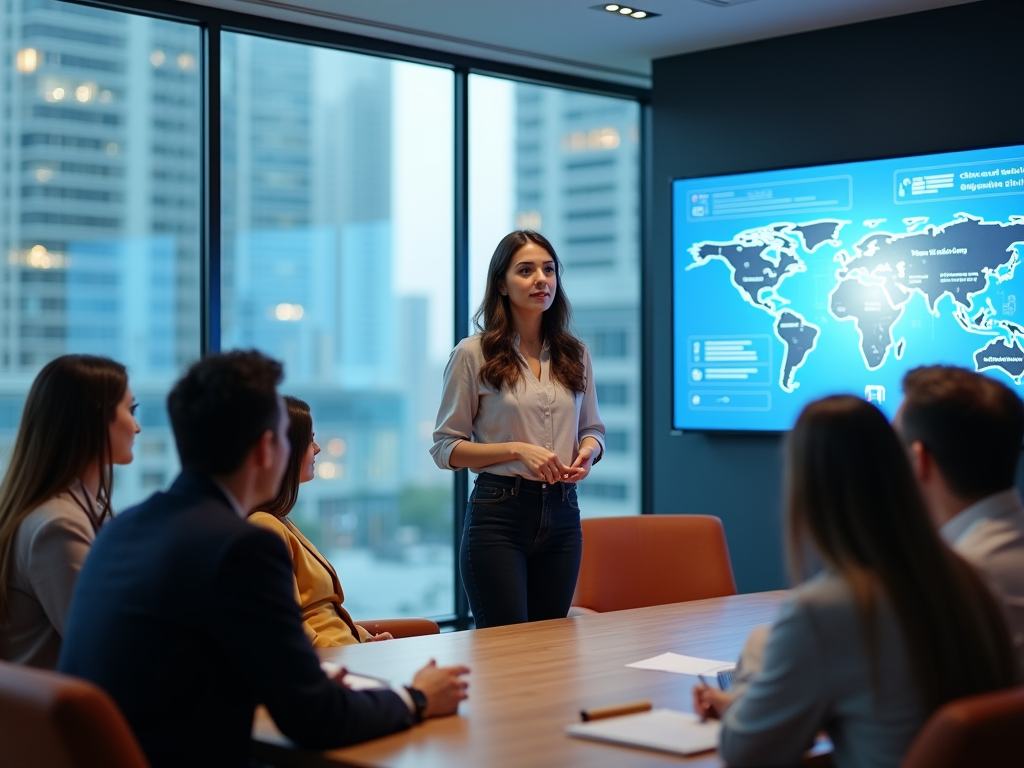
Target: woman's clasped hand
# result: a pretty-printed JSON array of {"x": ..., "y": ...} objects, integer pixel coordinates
[{"x": 546, "y": 466}]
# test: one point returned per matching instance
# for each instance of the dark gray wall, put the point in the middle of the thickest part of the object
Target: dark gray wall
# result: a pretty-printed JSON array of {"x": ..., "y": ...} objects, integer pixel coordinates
[{"x": 927, "y": 82}]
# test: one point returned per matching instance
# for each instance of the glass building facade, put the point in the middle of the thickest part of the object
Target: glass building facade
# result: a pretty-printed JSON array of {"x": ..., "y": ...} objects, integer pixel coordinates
[
  {"x": 337, "y": 222},
  {"x": 567, "y": 164},
  {"x": 337, "y": 200},
  {"x": 100, "y": 215}
]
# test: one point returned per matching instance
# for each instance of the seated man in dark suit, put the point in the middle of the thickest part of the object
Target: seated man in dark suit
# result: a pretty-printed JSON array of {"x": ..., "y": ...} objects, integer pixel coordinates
[{"x": 185, "y": 613}]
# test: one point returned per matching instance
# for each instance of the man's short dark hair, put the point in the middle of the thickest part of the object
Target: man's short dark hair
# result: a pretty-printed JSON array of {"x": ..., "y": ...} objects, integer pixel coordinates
[
  {"x": 221, "y": 407},
  {"x": 972, "y": 424}
]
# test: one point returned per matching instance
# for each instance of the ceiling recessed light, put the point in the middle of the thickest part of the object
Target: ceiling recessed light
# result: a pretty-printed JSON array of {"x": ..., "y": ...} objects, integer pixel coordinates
[{"x": 625, "y": 10}]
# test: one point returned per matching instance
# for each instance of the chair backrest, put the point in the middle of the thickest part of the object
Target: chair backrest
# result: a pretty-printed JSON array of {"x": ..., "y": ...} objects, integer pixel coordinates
[
  {"x": 986, "y": 730},
  {"x": 632, "y": 562},
  {"x": 58, "y": 721}
]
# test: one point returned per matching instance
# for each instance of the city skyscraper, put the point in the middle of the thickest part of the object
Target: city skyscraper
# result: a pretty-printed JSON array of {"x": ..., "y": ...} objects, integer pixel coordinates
[
  {"x": 337, "y": 223},
  {"x": 577, "y": 181},
  {"x": 309, "y": 277},
  {"x": 99, "y": 227}
]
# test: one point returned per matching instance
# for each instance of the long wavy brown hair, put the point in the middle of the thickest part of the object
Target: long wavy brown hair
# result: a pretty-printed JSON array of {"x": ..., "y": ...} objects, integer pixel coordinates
[
  {"x": 300, "y": 435},
  {"x": 852, "y": 497},
  {"x": 503, "y": 366},
  {"x": 64, "y": 429}
]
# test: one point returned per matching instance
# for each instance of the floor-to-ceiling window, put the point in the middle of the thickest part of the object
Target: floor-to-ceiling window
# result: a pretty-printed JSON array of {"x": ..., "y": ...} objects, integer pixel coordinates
[
  {"x": 567, "y": 164},
  {"x": 338, "y": 249},
  {"x": 99, "y": 208},
  {"x": 337, "y": 260}
]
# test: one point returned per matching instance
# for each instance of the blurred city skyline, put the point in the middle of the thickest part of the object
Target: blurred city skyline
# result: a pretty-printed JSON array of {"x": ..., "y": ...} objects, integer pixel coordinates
[{"x": 337, "y": 201}]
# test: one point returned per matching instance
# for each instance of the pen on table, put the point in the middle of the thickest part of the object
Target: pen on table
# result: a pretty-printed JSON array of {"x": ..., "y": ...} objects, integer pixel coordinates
[{"x": 614, "y": 711}]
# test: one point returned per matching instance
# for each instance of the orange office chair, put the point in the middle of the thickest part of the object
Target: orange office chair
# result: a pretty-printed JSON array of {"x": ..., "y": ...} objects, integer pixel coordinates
[
  {"x": 401, "y": 627},
  {"x": 58, "y": 721},
  {"x": 974, "y": 731},
  {"x": 632, "y": 562}
]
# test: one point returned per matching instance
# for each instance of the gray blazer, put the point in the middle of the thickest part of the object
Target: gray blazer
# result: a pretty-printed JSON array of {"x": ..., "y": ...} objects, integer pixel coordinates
[
  {"x": 49, "y": 548},
  {"x": 816, "y": 676}
]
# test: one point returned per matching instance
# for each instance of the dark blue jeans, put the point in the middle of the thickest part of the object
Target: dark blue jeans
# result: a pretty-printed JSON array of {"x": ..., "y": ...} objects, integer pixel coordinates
[{"x": 521, "y": 548}]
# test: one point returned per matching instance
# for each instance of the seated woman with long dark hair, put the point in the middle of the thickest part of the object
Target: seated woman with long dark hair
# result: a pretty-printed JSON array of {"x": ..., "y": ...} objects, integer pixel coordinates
[
  {"x": 895, "y": 626},
  {"x": 78, "y": 422},
  {"x": 317, "y": 589}
]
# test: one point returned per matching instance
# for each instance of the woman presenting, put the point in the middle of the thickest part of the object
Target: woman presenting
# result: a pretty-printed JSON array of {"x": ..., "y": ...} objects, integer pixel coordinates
[{"x": 519, "y": 408}]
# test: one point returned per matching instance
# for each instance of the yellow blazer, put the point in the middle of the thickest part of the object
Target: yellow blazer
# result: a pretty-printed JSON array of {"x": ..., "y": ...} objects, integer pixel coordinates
[{"x": 317, "y": 589}]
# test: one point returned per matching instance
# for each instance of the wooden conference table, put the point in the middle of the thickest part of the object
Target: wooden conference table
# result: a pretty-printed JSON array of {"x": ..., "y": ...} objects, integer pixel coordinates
[{"x": 529, "y": 681}]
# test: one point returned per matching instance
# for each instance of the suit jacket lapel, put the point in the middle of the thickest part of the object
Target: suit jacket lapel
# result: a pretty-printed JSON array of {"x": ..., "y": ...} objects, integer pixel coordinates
[{"x": 330, "y": 569}]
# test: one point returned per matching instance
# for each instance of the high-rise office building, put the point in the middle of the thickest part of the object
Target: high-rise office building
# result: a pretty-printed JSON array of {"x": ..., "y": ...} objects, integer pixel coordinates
[
  {"x": 577, "y": 181},
  {"x": 99, "y": 227},
  {"x": 100, "y": 180},
  {"x": 309, "y": 277}
]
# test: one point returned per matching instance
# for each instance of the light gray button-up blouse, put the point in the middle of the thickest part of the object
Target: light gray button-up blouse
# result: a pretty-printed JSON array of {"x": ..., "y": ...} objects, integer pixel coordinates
[{"x": 541, "y": 413}]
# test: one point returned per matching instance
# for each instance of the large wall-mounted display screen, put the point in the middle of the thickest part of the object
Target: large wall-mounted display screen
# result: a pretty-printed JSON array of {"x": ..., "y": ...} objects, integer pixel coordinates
[{"x": 794, "y": 284}]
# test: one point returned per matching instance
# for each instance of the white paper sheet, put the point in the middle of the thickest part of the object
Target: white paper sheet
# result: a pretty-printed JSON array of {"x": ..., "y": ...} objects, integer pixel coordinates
[
  {"x": 665, "y": 730},
  {"x": 682, "y": 665}
]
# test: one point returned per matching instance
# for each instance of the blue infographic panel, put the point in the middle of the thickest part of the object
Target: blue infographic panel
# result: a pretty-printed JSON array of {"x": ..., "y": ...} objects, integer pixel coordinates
[{"x": 795, "y": 284}]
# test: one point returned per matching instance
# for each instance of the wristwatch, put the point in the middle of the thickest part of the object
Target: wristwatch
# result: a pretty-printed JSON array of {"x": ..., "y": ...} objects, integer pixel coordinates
[{"x": 419, "y": 699}]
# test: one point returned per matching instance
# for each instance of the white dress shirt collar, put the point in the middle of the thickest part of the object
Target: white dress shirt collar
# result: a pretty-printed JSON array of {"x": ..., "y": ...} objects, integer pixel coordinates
[{"x": 996, "y": 505}]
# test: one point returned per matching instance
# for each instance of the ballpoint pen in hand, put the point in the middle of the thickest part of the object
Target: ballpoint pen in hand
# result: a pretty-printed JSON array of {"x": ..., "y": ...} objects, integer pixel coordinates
[{"x": 702, "y": 705}]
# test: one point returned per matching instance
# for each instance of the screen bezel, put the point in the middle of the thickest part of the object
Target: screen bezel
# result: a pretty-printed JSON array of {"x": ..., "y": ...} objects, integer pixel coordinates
[{"x": 676, "y": 430}]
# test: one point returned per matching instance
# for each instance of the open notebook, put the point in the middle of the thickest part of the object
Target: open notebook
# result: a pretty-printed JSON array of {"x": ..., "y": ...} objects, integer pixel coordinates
[{"x": 665, "y": 730}]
